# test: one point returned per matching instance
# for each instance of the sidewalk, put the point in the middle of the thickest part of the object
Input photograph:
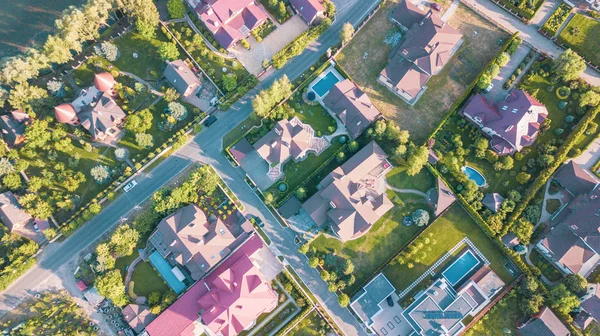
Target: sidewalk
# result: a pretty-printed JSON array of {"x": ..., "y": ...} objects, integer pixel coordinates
[
  {"x": 529, "y": 33},
  {"x": 544, "y": 13}
]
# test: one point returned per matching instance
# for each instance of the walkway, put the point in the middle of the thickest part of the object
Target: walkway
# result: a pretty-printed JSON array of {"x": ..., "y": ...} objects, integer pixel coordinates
[
  {"x": 206, "y": 41},
  {"x": 130, "y": 270},
  {"x": 545, "y": 12},
  {"x": 150, "y": 87},
  {"x": 498, "y": 92},
  {"x": 529, "y": 33},
  {"x": 448, "y": 14},
  {"x": 590, "y": 156},
  {"x": 405, "y": 191}
]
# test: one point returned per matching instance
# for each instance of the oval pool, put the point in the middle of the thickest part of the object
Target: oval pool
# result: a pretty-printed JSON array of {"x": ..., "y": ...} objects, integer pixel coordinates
[{"x": 474, "y": 175}]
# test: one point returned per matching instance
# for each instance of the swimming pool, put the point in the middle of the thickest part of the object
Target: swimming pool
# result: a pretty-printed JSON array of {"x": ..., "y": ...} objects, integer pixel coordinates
[
  {"x": 474, "y": 175},
  {"x": 325, "y": 84},
  {"x": 163, "y": 267},
  {"x": 460, "y": 268}
]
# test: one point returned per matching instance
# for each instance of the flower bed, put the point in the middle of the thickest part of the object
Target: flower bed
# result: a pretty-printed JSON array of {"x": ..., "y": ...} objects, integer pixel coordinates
[{"x": 556, "y": 20}]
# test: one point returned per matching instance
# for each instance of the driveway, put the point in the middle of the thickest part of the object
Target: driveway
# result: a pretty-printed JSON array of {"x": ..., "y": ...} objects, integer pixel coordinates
[
  {"x": 252, "y": 59},
  {"x": 529, "y": 33},
  {"x": 590, "y": 156},
  {"x": 498, "y": 92},
  {"x": 211, "y": 140}
]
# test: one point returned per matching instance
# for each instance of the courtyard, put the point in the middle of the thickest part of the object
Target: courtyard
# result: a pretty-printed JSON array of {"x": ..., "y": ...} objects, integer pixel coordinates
[{"x": 368, "y": 47}]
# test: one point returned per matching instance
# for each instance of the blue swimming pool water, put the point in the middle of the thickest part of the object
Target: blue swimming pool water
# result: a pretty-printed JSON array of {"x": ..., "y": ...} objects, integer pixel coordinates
[
  {"x": 163, "y": 267},
  {"x": 325, "y": 84},
  {"x": 460, "y": 268},
  {"x": 474, "y": 176}
]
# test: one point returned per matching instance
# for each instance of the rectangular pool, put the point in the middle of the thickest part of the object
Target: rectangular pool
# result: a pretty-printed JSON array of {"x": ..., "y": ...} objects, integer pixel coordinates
[
  {"x": 460, "y": 267},
  {"x": 163, "y": 267},
  {"x": 325, "y": 84}
]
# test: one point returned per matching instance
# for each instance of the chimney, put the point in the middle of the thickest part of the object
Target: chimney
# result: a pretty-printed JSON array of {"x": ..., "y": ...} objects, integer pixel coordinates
[
  {"x": 173, "y": 243},
  {"x": 332, "y": 204}
]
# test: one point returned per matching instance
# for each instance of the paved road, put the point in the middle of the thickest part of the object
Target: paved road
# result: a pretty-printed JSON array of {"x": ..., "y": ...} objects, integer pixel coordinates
[
  {"x": 529, "y": 33},
  {"x": 206, "y": 147}
]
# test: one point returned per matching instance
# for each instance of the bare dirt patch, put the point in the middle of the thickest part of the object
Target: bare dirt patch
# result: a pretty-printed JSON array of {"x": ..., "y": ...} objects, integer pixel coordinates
[{"x": 367, "y": 54}]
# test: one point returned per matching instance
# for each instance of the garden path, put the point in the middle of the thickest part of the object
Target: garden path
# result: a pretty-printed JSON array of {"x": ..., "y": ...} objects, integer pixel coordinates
[
  {"x": 72, "y": 83},
  {"x": 543, "y": 277},
  {"x": 405, "y": 191},
  {"x": 130, "y": 270},
  {"x": 150, "y": 87},
  {"x": 210, "y": 46}
]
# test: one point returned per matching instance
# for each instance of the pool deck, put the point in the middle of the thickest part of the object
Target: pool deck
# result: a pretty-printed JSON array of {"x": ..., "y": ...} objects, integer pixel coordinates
[
  {"x": 325, "y": 72},
  {"x": 164, "y": 269},
  {"x": 464, "y": 274}
]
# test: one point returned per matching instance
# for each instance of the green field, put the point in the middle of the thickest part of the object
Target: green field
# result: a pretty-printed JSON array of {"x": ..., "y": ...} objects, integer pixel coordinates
[{"x": 581, "y": 34}]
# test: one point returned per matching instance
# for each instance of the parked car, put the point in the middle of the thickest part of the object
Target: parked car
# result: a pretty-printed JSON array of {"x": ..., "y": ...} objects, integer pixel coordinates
[
  {"x": 436, "y": 6},
  {"x": 489, "y": 88},
  {"x": 129, "y": 186},
  {"x": 36, "y": 228},
  {"x": 211, "y": 120}
]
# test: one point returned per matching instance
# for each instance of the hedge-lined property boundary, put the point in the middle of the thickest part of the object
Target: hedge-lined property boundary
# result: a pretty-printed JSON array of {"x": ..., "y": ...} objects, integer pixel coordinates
[{"x": 551, "y": 26}]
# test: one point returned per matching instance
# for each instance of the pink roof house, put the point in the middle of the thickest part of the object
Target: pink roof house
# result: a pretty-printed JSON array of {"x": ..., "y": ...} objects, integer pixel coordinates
[{"x": 225, "y": 302}]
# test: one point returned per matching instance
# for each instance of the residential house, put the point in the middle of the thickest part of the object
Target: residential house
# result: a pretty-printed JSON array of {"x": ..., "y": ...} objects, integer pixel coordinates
[
  {"x": 183, "y": 79},
  {"x": 11, "y": 213},
  {"x": 286, "y": 140},
  {"x": 441, "y": 197},
  {"x": 511, "y": 124},
  {"x": 229, "y": 20},
  {"x": 440, "y": 309},
  {"x": 575, "y": 179},
  {"x": 590, "y": 307},
  {"x": 225, "y": 303},
  {"x": 12, "y": 126},
  {"x": 309, "y": 10},
  {"x": 573, "y": 244},
  {"x": 426, "y": 48},
  {"x": 95, "y": 109},
  {"x": 544, "y": 323},
  {"x": 493, "y": 201},
  {"x": 188, "y": 240},
  {"x": 352, "y": 106},
  {"x": 138, "y": 316},
  {"x": 352, "y": 197}
]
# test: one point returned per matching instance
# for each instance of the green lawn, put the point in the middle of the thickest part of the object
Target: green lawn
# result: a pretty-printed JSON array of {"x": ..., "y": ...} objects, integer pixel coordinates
[
  {"x": 122, "y": 263},
  {"x": 369, "y": 252},
  {"x": 505, "y": 314},
  {"x": 581, "y": 34},
  {"x": 147, "y": 280},
  {"x": 423, "y": 181},
  {"x": 448, "y": 230},
  {"x": 314, "y": 115},
  {"x": 148, "y": 64},
  {"x": 311, "y": 325}
]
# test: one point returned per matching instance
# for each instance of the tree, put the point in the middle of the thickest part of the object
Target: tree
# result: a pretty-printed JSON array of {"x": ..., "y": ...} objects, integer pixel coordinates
[
  {"x": 523, "y": 229},
  {"x": 569, "y": 65},
  {"x": 106, "y": 261},
  {"x": 523, "y": 177},
  {"x": 36, "y": 134},
  {"x": 531, "y": 305},
  {"x": 145, "y": 13},
  {"x": 347, "y": 267},
  {"x": 420, "y": 217},
  {"x": 325, "y": 275},
  {"x": 111, "y": 286},
  {"x": 176, "y": 9},
  {"x": 107, "y": 50},
  {"x": 6, "y": 167},
  {"x": 229, "y": 81},
  {"x": 144, "y": 140},
  {"x": 100, "y": 173},
  {"x": 12, "y": 181},
  {"x": 343, "y": 300},
  {"x": 416, "y": 159},
  {"x": 205, "y": 179},
  {"x": 561, "y": 299},
  {"x": 171, "y": 95},
  {"x": 313, "y": 262},
  {"x": 502, "y": 60},
  {"x": 589, "y": 98},
  {"x": 301, "y": 193},
  {"x": 304, "y": 248},
  {"x": 58, "y": 50},
  {"x": 139, "y": 122},
  {"x": 124, "y": 240},
  {"x": 347, "y": 32},
  {"x": 340, "y": 157},
  {"x": 528, "y": 287},
  {"x": 154, "y": 298},
  {"x": 120, "y": 153},
  {"x": 353, "y": 146},
  {"x": 282, "y": 10},
  {"x": 177, "y": 111},
  {"x": 264, "y": 102},
  {"x": 56, "y": 88},
  {"x": 27, "y": 97},
  {"x": 575, "y": 283},
  {"x": 35, "y": 206},
  {"x": 168, "y": 51}
]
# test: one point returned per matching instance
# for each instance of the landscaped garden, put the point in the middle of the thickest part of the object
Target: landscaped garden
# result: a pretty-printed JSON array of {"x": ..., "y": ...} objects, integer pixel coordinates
[
  {"x": 367, "y": 54},
  {"x": 523, "y": 8},
  {"x": 556, "y": 20},
  {"x": 437, "y": 239},
  {"x": 547, "y": 269},
  {"x": 505, "y": 315},
  {"x": 277, "y": 9},
  {"x": 581, "y": 35},
  {"x": 311, "y": 325}
]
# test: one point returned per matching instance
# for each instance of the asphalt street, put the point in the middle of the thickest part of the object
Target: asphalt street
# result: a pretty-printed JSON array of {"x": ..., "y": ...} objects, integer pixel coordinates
[{"x": 206, "y": 147}]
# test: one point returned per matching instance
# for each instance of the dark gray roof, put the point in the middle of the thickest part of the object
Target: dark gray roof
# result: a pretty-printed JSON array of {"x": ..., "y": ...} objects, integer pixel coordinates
[
  {"x": 444, "y": 197},
  {"x": 13, "y": 127},
  {"x": 11, "y": 213},
  {"x": 592, "y": 303},
  {"x": 493, "y": 201},
  {"x": 377, "y": 290},
  {"x": 575, "y": 178},
  {"x": 179, "y": 74},
  {"x": 407, "y": 14},
  {"x": 290, "y": 207},
  {"x": 544, "y": 323}
]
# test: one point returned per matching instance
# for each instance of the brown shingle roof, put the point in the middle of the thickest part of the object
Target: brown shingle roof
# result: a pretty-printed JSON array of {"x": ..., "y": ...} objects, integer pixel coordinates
[
  {"x": 179, "y": 74},
  {"x": 407, "y": 14},
  {"x": 11, "y": 213},
  {"x": 349, "y": 198},
  {"x": 138, "y": 316},
  {"x": 493, "y": 201},
  {"x": 575, "y": 178},
  {"x": 283, "y": 141},
  {"x": 544, "y": 323},
  {"x": 352, "y": 106}
]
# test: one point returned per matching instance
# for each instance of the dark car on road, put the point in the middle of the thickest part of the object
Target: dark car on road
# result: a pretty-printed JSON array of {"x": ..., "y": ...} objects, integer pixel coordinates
[
  {"x": 436, "y": 6},
  {"x": 211, "y": 120}
]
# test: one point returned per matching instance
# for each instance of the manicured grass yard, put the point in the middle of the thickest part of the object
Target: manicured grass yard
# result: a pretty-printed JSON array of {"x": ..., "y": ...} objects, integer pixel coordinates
[
  {"x": 423, "y": 181},
  {"x": 448, "y": 230},
  {"x": 370, "y": 251},
  {"x": 148, "y": 64},
  {"x": 581, "y": 34},
  {"x": 505, "y": 314},
  {"x": 479, "y": 47},
  {"x": 310, "y": 325},
  {"x": 314, "y": 115},
  {"x": 147, "y": 280}
]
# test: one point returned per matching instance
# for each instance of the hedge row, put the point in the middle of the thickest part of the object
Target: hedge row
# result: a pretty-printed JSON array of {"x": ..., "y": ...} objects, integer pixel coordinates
[
  {"x": 527, "y": 13},
  {"x": 11, "y": 274},
  {"x": 299, "y": 44},
  {"x": 556, "y": 20},
  {"x": 543, "y": 177}
]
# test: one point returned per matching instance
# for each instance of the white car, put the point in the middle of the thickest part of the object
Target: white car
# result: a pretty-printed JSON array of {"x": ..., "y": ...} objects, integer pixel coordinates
[
  {"x": 489, "y": 88},
  {"x": 129, "y": 185}
]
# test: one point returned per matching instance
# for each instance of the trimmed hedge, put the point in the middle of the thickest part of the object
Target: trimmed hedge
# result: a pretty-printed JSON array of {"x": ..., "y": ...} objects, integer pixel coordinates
[
  {"x": 556, "y": 20},
  {"x": 12, "y": 272}
]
